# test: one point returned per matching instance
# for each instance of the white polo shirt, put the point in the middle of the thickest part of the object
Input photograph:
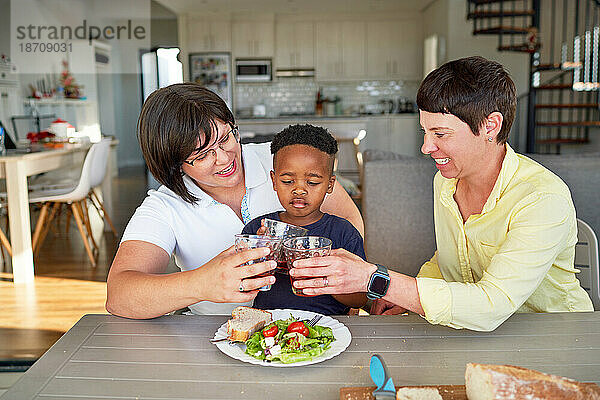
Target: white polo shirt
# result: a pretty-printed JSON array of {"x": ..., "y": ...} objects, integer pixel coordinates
[{"x": 196, "y": 233}]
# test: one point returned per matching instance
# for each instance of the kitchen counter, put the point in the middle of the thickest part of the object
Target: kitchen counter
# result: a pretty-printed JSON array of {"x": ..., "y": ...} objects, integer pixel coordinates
[{"x": 392, "y": 132}]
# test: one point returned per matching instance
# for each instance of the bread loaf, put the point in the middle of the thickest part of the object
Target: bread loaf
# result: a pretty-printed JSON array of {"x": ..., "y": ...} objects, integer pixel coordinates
[
  {"x": 418, "y": 393},
  {"x": 246, "y": 321},
  {"x": 487, "y": 382}
]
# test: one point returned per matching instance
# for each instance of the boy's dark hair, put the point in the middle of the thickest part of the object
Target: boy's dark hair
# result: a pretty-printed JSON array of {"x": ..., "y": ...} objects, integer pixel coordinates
[
  {"x": 307, "y": 134},
  {"x": 471, "y": 89},
  {"x": 172, "y": 121}
]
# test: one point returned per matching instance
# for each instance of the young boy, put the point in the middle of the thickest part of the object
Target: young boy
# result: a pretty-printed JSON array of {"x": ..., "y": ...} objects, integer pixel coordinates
[{"x": 303, "y": 157}]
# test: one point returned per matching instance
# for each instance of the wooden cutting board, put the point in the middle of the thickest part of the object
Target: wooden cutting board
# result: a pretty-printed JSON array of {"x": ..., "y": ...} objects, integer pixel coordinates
[{"x": 448, "y": 392}]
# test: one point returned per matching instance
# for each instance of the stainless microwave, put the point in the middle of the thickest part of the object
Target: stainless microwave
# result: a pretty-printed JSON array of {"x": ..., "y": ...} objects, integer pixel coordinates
[{"x": 253, "y": 70}]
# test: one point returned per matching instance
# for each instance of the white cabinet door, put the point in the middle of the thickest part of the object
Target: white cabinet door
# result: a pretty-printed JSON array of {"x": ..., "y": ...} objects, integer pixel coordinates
[
  {"x": 353, "y": 49},
  {"x": 285, "y": 45},
  {"x": 294, "y": 45},
  {"x": 208, "y": 35},
  {"x": 340, "y": 50},
  {"x": 328, "y": 51},
  {"x": 253, "y": 39},
  {"x": 405, "y": 135},
  {"x": 378, "y": 137},
  {"x": 305, "y": 45},
  {"x": 394, "y": 49},
  {"x": 407, "y": 57},
  {"x": 378, "y": 48}
]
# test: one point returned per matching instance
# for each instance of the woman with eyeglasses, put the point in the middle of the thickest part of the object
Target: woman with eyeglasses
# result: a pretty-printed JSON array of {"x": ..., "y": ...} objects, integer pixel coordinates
[{"x": 211, "y": 187}]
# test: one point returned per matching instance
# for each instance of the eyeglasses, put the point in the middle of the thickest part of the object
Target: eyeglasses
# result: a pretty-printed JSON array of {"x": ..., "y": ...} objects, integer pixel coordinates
[{"x": 225, "y": 143}]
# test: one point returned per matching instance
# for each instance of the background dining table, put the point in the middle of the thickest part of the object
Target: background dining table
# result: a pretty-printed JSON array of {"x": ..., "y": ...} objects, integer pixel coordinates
[
  {"x": 171, "y": 357},
  {"x": 16, "y": 166}
]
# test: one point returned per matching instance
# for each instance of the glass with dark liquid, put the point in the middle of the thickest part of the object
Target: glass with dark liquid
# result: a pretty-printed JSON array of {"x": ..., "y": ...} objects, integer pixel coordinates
[
  {"x": 304, "y": 247},
  {"x": 243, "y": 242},
  {"x": 282, "y": 230}
]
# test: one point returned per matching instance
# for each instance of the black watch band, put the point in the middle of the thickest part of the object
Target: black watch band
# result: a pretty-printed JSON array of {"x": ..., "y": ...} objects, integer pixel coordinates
[{"x": 378, "y": 283}]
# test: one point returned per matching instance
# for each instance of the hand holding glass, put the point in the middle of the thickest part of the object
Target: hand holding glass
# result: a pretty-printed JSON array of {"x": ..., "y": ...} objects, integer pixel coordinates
[
  {"x": 304, "y": 247},
  {"x": 243, "y": 242}
]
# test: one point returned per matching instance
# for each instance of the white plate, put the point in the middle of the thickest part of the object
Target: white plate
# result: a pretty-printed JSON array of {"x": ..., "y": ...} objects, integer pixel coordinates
[{"x": 340, "y": 332}]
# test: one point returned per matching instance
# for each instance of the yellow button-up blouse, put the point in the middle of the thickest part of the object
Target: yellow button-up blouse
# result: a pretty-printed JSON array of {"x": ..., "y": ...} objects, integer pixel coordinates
[{"x": 516, "y": 256}]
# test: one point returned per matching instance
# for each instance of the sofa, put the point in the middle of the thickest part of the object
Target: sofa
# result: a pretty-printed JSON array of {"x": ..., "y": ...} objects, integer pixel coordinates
[{"x": 398, "y": 203}]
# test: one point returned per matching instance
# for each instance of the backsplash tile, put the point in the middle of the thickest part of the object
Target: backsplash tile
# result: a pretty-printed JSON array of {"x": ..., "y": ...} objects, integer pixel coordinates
[{"x": 298, "y": 95}]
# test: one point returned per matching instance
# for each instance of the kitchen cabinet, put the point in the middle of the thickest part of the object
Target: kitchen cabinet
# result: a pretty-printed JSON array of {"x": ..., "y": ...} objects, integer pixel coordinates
[
  {"x": 393, "y": 50},
  {"x": 397, "y": 133},
  {"x": 294, "y": 47},
  {"x": 340, "y": 50},
  {"x": 253, "y": 39},
  {"x": 208, "y": 35}
]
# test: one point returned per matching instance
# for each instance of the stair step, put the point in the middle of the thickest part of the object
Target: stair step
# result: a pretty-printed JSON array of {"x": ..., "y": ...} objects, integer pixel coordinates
[
  {"x": 499, "y": 14},
  {"x": 548, "y": 67},
  {"x": 567, "y": 66},
  {"x": 569, "y": 123},
  {"x": 477, "y": 2},
  {"x": 522, "y": 48},
  {"x": 555, "y": 87},
  {"x": 576, "y": 105},
  {"x": 562, "y": 141},
  {"x": 505, "y": 30}
]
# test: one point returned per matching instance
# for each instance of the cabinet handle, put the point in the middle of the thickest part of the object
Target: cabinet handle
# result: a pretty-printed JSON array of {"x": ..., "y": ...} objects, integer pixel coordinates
[{"x": 395, "y": 67}]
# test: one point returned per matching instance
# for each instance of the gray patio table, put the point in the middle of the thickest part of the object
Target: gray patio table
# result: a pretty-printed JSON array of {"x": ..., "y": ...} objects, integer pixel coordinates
[{"x": 171, "y": 357}]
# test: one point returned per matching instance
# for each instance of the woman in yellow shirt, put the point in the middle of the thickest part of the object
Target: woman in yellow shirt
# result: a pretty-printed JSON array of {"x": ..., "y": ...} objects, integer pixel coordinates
[{"x": 505, "y": 226}]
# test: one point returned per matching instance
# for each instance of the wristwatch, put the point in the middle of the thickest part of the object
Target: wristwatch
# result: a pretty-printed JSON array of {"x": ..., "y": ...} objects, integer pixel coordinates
[{"x": 378, "y": 283}]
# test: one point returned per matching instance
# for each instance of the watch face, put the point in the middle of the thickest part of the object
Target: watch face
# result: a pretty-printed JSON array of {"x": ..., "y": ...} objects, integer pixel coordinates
[{"x": 379, "y": 285}]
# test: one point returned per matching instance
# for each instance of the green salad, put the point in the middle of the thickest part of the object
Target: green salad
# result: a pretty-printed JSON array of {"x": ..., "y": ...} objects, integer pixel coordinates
[{"x": 289, "y": 341}]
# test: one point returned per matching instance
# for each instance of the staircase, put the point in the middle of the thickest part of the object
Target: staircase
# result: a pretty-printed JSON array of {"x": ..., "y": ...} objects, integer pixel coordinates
[{"x": 562, "y": 39}]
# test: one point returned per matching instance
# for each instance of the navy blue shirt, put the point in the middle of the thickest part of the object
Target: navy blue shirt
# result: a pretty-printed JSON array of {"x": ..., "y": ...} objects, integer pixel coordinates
[{"x": 342, "y": 234}]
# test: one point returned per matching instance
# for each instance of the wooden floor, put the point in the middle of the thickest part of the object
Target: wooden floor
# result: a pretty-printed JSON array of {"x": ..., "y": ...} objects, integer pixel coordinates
[{"x": 33, "y": 317}]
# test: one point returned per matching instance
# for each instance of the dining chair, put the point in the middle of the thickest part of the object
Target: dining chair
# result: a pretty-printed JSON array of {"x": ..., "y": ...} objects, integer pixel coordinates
[
  {"x": 97, "y": 177},
  {"x": 75, "y": 199},
  {"x": 348, "y": 143},
  {"x": 397, "y": 204},
  {"x": 586, "y": 260}
]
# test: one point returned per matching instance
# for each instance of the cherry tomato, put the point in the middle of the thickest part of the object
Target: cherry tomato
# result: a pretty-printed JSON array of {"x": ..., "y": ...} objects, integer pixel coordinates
[
  {"x": 270, "y": 332},
  {"x": 299, "y": 327}
]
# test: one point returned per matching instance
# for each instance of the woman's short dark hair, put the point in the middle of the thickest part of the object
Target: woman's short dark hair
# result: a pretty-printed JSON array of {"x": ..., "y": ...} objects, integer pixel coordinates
[
  {"x": 172, "y": 122},
  {"x": 471, "y": 89}
]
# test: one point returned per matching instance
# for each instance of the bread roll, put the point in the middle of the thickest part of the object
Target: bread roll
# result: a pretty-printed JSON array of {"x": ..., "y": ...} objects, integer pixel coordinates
[
  {"x": 246, "y": 321},
  {"x": 418, "y": 393},
  {"x": 488, "y": 382}
]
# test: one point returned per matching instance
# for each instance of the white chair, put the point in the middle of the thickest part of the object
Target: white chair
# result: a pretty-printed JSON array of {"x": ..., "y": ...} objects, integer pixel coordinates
[
  {"x": 75, "y": 198},
  {"x": 98, "y": 174},
  {"x": 586, "y": 260}
]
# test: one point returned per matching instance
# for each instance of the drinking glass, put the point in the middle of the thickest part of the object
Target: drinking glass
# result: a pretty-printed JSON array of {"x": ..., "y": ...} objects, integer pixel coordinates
[
  {"x": 282, "y": 230},
  {"x": 243, "y": 242},
  {"x": 304, "y": 247}
]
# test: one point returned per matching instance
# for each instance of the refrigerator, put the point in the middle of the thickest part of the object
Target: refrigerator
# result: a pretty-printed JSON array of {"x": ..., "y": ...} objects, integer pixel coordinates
[{"x": 213, "y": 70}]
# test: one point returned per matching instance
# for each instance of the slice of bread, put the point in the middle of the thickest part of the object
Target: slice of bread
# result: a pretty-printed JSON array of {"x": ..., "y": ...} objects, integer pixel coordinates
[
  {"x": 418, "y": 393},
  {"x": 487, "y": 382},
  {"x": 246, "y": 321}
]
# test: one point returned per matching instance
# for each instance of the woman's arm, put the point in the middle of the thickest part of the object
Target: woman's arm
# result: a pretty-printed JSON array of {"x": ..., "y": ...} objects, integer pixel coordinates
[
  {"x": 348, "y": 273},
  {"x": 341, "y": 204},
  {"x": 138, "y": 288}
]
